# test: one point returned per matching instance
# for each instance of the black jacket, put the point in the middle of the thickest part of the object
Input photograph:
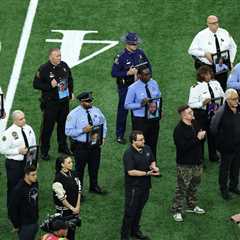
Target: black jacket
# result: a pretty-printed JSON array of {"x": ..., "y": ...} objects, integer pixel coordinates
[
  {"x": 188, "y": 146},
  {"x": 23, "y": 208},
  {"x": 46, "y": 73},
  {"x": 225, "y": 125}
]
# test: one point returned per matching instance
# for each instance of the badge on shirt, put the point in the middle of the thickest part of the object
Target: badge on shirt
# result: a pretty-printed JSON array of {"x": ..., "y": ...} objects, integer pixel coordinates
[{"x": 15, "y": 135}]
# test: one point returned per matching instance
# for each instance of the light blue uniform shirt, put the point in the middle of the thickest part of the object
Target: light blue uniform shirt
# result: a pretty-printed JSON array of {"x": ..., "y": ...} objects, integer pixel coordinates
[
  {"x": 234, "y": 78},
  {"x": 137, "y": 92},
  {"x": 77, "y": 120}
]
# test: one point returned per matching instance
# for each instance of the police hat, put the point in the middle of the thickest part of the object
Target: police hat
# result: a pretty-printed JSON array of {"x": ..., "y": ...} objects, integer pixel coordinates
[
  {"x": 59, "y": 224},
  {"x": 131, "y": 38},
  {"x": 85, "y": 96}
]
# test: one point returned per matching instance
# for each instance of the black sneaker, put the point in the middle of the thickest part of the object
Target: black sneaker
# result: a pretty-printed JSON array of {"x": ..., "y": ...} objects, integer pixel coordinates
[
  {"x": 234, "y": 190},
  {"x": 65, "y": 150},
  {"x": 45, "y": 157},
  {"x": 139, "y": 235},
  {"x": 226, "y": 195},
  {"x": 121, "y": 140}
]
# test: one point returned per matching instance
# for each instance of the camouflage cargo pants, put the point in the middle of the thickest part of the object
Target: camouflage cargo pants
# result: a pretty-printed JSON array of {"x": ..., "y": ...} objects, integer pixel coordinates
[{"x": 188, "y": 179}]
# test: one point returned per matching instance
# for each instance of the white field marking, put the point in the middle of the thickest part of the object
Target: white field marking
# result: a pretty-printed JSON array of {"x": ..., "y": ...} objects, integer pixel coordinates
[
  {"x": 72, "y": 43},
  {"x": 17, "y": 67}
]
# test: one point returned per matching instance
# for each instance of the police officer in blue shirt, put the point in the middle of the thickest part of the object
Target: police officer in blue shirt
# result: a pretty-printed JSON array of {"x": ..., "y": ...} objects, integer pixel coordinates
[
  {"x": 87, "y": 127},
  {"x": 234, "y": 79},
  {"x": 144, "y": 99},
  {"x": 124, "y": 69}
]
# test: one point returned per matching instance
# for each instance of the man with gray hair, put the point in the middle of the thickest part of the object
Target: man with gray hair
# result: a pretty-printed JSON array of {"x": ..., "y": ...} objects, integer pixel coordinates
[
  {"x": 225, "y": 126},
  {"x": 14, "y": 144}
]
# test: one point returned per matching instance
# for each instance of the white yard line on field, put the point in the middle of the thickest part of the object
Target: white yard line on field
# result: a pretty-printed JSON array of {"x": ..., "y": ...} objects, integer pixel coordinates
[{"x": 17, "y": 67}]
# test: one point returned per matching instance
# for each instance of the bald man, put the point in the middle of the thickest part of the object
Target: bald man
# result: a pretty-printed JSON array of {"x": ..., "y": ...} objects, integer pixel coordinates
[
  {"x": 14, "y": 145},
  {"x": 225, "y": 126},
  {"x": 212, "y": 40}
]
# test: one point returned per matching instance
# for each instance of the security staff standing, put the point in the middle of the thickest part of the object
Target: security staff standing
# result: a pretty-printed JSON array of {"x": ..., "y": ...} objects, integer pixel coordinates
[
  {"x": 23, "y": 209},
  {"x": 124, "y": 69},
  {"x": 139, "y": 166},
  {"x": 87, "y": 127},
  {"x": 234, "y": 79},
  {"x": 54, "y": 79},
  {"x": 205, "y": 97},
  {"x": 14, "y": 143},
  {"x": 144, "y": 99},
  {"x": 225, "y": 125},
  {"x": 209, "y": 41}
]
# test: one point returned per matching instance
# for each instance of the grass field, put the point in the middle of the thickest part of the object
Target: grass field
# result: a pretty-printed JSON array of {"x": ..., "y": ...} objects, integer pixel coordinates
[{"x": 167, "y": 28}]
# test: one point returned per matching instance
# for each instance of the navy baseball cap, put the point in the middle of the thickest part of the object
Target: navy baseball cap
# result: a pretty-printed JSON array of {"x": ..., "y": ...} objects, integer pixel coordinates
[
  {"x": 85, "y": 96},
  {"x": 131, "y": 38}
]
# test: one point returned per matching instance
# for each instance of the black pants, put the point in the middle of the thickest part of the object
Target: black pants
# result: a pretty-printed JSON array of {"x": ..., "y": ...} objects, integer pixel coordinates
[
  {"x": 121, "y": 111},
  {"x": 87, "y": 155},
  {"x": 28, "y": 232},
  {"x": 15, "y": 172},
  {"x": 221, "y": 78},
  {"x": 135, "y": 200},
  {"x": 229, "y": 170},
  {"x": 71, "y": 230},
  {"x": 53, "y": 112},
  {"x": 150, "y": 129}
]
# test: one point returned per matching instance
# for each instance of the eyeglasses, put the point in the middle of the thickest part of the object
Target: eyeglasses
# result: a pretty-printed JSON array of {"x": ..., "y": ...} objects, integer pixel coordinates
[
  {"x": 213, "y": 23},
  {"x": 88, "y": 100}
]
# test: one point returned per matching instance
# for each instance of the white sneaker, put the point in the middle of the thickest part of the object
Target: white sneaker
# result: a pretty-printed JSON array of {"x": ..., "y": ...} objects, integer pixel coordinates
[
  {"x": 178, "y": 217},
  {"x": 196, "y": 210}
]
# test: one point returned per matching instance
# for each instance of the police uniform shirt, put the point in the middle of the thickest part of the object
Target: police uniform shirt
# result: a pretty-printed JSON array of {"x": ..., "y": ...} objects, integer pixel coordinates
[
  {"x": 127, "y": 59},
  {"x": 46, "y": 73},
  {"x": 77, "y": 120},
  {"x": 137, "y": 92},
  {"x": 200, "y": 92},
  {"x": 234, "y": 78},
  {"x": 204, "y": 42},
  {"x": 134, "y": 160},
  {"x": 12, "y": 139}
]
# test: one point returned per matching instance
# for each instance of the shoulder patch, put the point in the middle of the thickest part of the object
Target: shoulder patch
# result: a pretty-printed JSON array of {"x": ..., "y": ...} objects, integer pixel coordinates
[
  {"x": 116, "y": 59},
  {"x": 69, "y": 118}
]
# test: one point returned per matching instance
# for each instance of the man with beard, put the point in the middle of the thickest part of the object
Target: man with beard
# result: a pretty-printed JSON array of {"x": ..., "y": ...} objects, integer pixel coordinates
[
  {"x": 139, "y": 166},
  {"x": 225, "y": 126},
  {"x": 144, "y": 99},
  {"x": 87, "y": 127}
]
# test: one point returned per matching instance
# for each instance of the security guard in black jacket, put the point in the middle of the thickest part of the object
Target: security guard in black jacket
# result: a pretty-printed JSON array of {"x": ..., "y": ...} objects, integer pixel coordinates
[{"x": 54, "y": 79}]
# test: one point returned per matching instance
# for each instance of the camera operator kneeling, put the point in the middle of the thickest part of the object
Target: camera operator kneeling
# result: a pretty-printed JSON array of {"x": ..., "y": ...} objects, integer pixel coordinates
[
  {"x": 59, "y": 231},
  {"x": 67, "y": 190}
]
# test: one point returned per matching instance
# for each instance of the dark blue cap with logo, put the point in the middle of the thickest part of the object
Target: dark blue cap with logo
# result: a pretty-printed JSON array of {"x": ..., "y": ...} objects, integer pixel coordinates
[
  {"x": 85, "y": 96},
  {"x": 131, "y": 38}
]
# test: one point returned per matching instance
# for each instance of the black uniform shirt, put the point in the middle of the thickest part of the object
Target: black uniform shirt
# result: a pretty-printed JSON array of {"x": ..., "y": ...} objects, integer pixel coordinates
[
  {"x": 46, "y": 73},
  {"x": 23, "y": 209},
  {"x": 188, "y": 146},
  {"x": 134, "y": 160}
]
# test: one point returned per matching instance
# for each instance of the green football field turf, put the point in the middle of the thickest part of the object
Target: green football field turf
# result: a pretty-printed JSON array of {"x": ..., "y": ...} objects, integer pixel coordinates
[{"x": 167, "y": 29}]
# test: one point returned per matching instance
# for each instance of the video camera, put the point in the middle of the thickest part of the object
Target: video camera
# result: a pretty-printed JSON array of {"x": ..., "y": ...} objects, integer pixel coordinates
[{"x": 71, "y": 221}]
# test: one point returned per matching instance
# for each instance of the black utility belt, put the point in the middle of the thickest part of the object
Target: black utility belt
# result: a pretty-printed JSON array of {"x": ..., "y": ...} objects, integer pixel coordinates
[
  {"x": 144, "y": 118},
  {"x": 122, "y": 81},
  {"x": 83, "y": 144}
]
